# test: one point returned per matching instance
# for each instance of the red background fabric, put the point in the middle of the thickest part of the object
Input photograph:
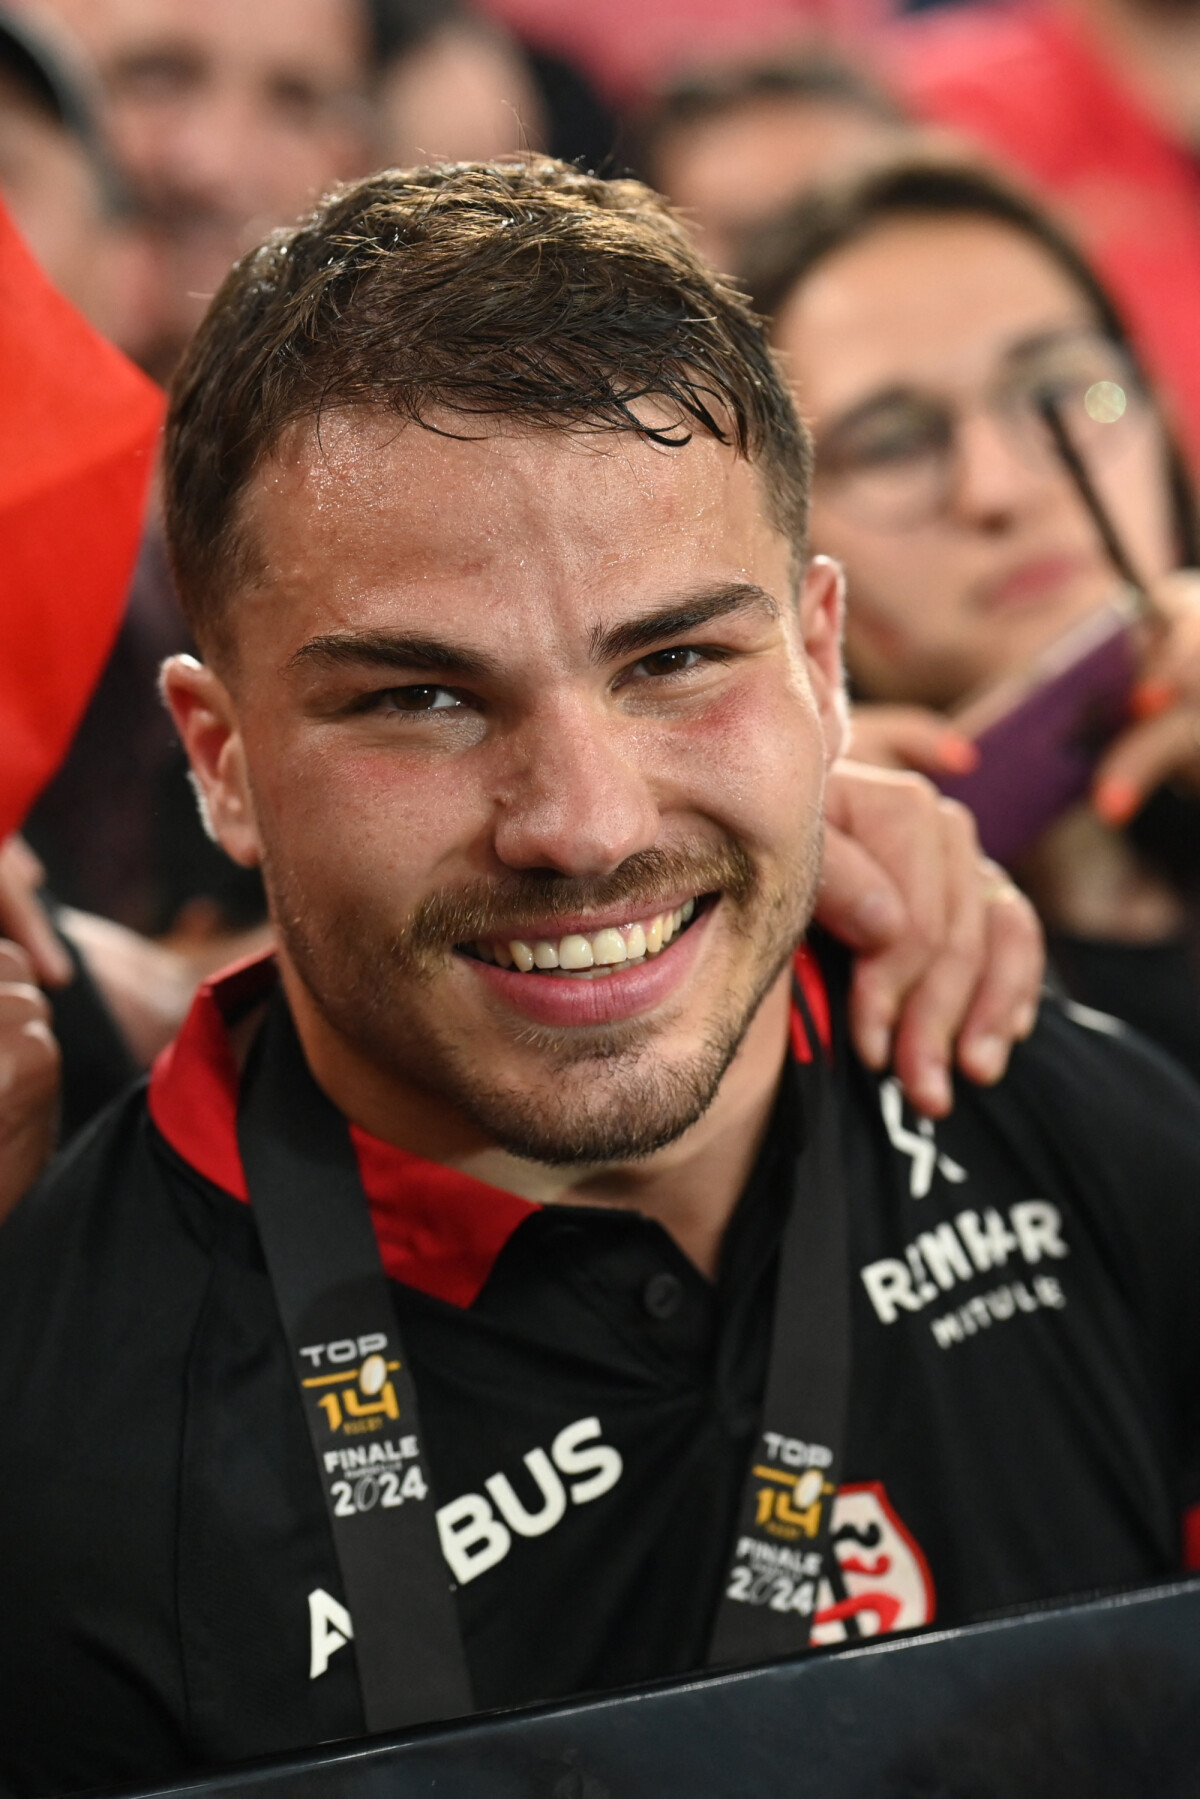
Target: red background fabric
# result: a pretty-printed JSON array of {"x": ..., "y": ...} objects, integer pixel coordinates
[{"x": 78, "y": 429}]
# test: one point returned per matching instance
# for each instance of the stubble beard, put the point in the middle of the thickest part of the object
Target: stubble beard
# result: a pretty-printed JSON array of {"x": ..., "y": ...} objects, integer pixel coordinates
[{"x": 610, "y": 1095}]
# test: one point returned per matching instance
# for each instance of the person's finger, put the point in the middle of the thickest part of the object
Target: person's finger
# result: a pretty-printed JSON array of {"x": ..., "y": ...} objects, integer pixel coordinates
[
  {"x": 910, "y": 737},
  {"x": 29, "y": 1069},
  {"x": 857, "y": 900},
  {"x": 894, "y": 818},
  {"x": 30, "y": 1074},
  {"x": 1142, "y": 758},
  {"x": 1005, "y": 1002},
  {"x": 20, "y": 864},
  {"x": 16, "y": 964},
  {"x": 887, "y": 983},
  {"x": 1170, "y": 665},
  {"x": 1172, "y": 668},
  {"x": 937, "y": 1001},
  {"x": 22, "y": 916},
  {"x": 960, "y": 979},
  {"x": 21, "y": 1003},
  {"x": 1174, "y": 595}
]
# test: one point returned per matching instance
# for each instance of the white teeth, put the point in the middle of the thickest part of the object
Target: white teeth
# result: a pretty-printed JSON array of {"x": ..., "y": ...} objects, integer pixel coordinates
[
  {"x": 605, "y": 949},
  {"x": 575, "y": 952},
  {"x": 608, "y": 947}
]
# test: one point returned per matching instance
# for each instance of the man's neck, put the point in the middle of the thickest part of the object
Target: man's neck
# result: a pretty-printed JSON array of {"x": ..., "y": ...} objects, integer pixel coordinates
[{"x": 691, "y": 1187}]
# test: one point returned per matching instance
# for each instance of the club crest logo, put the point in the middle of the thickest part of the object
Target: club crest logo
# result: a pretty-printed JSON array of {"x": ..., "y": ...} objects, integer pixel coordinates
[{"x": 887, "y": 1579}]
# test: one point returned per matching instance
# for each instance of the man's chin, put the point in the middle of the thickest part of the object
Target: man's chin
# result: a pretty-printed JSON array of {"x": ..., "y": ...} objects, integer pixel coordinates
[
  {"x": 621, "y": 1110},
  {"x": 565, "y": 1094},
  {"x": 609, "y": 1095}
]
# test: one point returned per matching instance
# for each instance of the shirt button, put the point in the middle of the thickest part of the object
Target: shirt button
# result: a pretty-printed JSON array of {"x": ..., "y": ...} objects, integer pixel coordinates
[{"x": 662, "y": 1296}]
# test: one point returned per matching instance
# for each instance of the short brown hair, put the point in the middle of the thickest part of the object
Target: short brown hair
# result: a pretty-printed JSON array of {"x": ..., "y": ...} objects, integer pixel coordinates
[{"x": 519, "y": 290}]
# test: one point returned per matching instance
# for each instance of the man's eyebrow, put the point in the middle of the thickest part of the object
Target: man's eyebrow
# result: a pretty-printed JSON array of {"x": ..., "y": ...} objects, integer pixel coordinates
[
  {"x": 391, "y": 650},
  {"x": 433, "y": 655},
  {"x": 615, "y": 642}
]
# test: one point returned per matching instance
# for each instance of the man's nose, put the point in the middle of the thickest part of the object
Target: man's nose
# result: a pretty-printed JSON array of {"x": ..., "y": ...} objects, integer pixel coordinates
[
  {"x": 574, "y": 800},
  {"x": 215, "y": 152}
]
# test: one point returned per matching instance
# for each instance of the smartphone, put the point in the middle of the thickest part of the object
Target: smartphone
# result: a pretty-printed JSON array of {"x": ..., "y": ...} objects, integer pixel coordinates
[{"x": 1041, "y": 733}]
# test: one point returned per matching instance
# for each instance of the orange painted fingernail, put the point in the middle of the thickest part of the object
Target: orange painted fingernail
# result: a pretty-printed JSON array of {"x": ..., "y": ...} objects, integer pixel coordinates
[
  {"x": 1116, "y": 800},
  {"x": 959, "y": 755},
  {"x": 1151, "y": 697}
]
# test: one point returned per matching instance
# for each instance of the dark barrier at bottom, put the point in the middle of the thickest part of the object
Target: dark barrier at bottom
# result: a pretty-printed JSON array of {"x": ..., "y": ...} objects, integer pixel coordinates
[{"x": 1086, "y": 1702}]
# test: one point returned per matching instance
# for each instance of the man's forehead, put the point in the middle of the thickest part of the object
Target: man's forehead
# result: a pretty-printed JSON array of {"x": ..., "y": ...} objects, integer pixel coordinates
[
  {"x": 508, "y": 543},
  {"x": 363, "y": 483}
]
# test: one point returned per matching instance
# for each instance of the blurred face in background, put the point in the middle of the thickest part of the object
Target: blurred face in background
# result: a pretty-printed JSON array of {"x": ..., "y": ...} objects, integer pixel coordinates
[
  {"x": 731, "y": 170},
  {"x": 916, "y": 353},
  {"x": 464, "y": 94},
  {"x": 227, "y": 117},
  {"x": 56, "y": 198}
]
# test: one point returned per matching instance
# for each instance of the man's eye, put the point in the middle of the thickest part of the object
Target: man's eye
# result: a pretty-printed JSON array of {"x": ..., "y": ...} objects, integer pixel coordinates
[
  {"x": 669, "y": 662},
  {"x": 418, "y": 699}
]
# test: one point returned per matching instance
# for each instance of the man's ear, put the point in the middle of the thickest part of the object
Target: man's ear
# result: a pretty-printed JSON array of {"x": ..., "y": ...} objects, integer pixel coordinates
[
  {"x": 822, "y": 612},
  {"x": 206, "y": 720}
]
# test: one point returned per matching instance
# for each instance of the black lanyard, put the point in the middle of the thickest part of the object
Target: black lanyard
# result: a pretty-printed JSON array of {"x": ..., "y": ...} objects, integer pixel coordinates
[
  {"x": 782, "y": 1547},
  {"x": 361, "y": 1404}
]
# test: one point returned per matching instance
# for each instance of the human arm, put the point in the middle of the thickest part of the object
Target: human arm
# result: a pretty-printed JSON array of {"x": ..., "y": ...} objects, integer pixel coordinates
[{"x": 23, "y": 918}]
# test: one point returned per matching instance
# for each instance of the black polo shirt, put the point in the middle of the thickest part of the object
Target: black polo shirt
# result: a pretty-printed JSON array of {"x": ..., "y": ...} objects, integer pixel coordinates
[{"x": 1022, "y": 1425}]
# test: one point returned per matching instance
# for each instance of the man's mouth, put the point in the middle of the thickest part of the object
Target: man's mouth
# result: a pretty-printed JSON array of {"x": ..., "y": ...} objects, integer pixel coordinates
[{"x": 581, "y": 955}]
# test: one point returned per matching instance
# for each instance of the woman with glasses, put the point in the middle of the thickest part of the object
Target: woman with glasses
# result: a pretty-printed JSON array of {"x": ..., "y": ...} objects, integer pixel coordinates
[{"x": 930, "y": 316}]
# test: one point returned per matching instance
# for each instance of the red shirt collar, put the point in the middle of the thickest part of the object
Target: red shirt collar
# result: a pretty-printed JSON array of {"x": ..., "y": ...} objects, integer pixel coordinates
[{"x": 438, "y": 1230}]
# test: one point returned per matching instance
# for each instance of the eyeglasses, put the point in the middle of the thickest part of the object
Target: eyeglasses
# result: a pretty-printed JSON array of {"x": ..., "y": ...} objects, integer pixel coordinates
[{"x": 892, "y": 462}]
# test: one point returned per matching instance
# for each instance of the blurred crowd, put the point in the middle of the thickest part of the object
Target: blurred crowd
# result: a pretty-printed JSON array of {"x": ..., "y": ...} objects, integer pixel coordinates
[{"x": 948, "y": 215}]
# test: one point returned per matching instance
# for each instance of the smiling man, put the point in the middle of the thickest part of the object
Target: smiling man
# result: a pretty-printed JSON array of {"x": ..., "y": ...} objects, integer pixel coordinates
[
  {"x": 636, "y": 1324},
  {"x": 600, "y": 711}
]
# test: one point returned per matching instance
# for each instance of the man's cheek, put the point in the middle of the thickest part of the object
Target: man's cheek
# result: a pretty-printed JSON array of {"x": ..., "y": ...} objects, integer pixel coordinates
[
  {"x": 308, "y": 780},
  {"x": 757, "y": 754}
]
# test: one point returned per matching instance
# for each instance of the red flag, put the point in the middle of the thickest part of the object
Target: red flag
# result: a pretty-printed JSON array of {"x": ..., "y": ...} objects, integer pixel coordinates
[{"x": 78, "y": 429}]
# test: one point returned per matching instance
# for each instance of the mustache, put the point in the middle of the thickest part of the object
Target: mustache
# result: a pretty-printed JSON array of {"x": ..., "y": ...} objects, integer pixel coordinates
[{"x": 641, "y": 884}]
